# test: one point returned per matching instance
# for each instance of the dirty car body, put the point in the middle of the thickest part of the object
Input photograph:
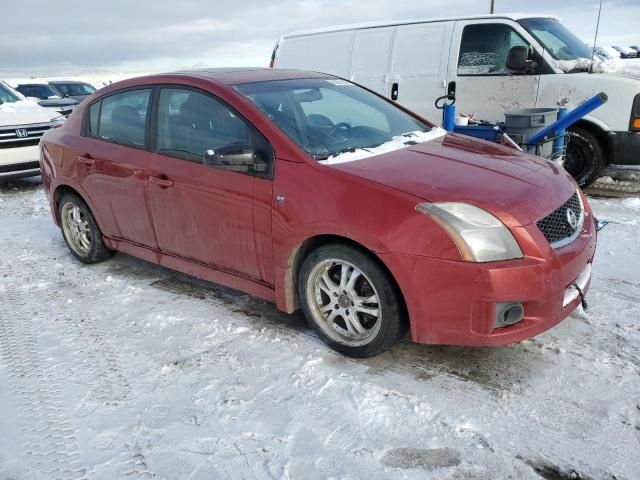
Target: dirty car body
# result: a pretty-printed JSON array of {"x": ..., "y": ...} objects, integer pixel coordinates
[{"x": 478, "y": 244}]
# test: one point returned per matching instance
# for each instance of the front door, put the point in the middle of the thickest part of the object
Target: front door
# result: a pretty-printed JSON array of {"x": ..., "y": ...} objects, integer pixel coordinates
[
  {"x": 112, "y": 161},
  {"x": 478, "y": 64},
  {"x": 203, "y": 185}
]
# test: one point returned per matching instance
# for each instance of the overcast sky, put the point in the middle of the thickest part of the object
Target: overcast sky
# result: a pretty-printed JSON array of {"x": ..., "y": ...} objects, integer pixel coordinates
[{"x": 49, "y": 38}]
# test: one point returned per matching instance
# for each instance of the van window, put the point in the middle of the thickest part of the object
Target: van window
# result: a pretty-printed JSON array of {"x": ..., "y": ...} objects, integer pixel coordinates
[
  {"x": 484, "y": 49},
  {"x": 123, "y": 117},
  {"x": 200, "y": 128}
]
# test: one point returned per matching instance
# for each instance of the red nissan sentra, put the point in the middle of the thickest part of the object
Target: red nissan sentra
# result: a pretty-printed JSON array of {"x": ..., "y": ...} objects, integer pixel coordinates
[{"x": 307, "y": 190}]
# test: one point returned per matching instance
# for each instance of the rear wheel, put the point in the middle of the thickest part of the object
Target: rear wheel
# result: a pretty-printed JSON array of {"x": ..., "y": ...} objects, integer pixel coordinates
[
  {"x": 585, "y": 158},
  {"x": 350, "y": 301},
  {"x": 80, "y": 230}
]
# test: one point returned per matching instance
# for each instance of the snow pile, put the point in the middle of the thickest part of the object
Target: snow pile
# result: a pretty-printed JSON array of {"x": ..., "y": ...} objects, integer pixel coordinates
[
  {"x": 617, "y": 66},
  {"x": 396, "y": 143}
]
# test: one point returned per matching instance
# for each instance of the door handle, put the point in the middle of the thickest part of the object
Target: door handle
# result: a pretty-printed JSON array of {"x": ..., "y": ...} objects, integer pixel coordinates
[
  {"x": 161, "y": 182},
  {"x": 86, "y": 159},
  {"x": 394, "y": 91}
]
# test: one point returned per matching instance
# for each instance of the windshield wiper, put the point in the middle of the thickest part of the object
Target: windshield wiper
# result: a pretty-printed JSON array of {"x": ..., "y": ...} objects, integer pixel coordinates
[{"x": 325, "y": 156}]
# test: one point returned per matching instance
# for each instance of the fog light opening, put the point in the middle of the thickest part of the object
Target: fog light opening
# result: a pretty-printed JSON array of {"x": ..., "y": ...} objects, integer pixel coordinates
[{"x": 508, "y": 314}]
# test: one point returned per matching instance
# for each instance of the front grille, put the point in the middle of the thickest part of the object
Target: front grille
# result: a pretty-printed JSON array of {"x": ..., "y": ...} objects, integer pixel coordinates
[
  {"x": 15, "y": 136},
  {"x": 556, "y": 227}
]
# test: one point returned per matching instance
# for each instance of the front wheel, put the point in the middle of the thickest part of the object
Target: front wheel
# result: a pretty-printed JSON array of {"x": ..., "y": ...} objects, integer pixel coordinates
[
  {"x": 350, "y": 301},
  {"x": 585, "y": 156}
]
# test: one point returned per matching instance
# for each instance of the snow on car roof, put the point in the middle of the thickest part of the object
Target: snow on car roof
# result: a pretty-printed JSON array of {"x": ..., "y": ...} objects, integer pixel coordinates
[{"x": 359, "y": 26}]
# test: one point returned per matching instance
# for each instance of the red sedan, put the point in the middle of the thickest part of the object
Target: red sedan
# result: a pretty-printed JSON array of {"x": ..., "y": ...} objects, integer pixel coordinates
[{"x": 312, "y": 192}]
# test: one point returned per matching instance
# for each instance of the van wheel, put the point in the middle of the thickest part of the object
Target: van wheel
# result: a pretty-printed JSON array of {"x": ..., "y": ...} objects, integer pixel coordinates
[
  {"x": 585, "y": 156},
  {"x": 80, "y": 230},
  {"x": 350, "y": 301}
]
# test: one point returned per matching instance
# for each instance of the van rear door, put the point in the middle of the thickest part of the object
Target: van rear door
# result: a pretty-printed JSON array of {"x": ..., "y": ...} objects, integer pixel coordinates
[
  {"x": 370, "y": 59},
  {"x": 327, "y": 52},
  {"x": 419, "y": 66},
  {"x": 484, "y": 84}
]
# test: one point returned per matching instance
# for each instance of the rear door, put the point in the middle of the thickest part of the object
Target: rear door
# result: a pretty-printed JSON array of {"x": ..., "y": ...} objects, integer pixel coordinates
[
  {"x": 112, "y": 161},
  {"x": 484, "y": 85},
  {"x": 370, "y": 59},
  {"x": 326, "y": 53},
  {"x": 201, "y": 188},
  {"x": 419, "y": 66}
]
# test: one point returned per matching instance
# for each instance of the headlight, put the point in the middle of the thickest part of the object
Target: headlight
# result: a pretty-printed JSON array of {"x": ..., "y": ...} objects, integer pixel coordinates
[
  {"x": 57, "y": 122},
  {"x": 479, "y": 236}
]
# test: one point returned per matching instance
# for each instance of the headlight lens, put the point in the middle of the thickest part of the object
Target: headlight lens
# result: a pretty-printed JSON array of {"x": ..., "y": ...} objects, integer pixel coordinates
[
  {"x": 480, "y": 236},
  {"x": 58, "y": 121}
]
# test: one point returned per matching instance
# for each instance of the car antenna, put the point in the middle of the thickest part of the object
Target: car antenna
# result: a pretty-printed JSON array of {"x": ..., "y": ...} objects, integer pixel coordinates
[{"x": 595, "y": 40}]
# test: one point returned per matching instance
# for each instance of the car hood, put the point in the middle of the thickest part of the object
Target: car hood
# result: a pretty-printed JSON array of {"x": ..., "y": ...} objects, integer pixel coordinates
[
  {"x": 516, "y": 187},
  {"x": 24, "y": 112}
]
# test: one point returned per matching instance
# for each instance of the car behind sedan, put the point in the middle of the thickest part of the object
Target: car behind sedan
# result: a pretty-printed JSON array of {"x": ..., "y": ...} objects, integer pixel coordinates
[{"x": 314, "y": 193}]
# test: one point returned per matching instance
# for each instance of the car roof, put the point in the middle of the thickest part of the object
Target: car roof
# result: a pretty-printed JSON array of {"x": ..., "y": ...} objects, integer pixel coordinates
[
  {"x": 364, "y": 25},
  {"x": 239, "y": 75}
]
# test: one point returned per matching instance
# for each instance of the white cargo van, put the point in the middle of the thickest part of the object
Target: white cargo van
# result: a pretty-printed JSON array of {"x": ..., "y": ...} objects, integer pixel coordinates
[{"x": 498, "y": 63}]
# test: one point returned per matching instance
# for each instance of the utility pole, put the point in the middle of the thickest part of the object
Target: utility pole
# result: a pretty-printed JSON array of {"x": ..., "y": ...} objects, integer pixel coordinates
[{"x": 492, "y": 6}]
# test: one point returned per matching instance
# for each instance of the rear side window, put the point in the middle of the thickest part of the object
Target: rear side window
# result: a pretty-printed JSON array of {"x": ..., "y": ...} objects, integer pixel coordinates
[
  {"x": 92, "y": 125},
  {"x": 484, "y": 49},
  {"x": 121, "y": 118}
]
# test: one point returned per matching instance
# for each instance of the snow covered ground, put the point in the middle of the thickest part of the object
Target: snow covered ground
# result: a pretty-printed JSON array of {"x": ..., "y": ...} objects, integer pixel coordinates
[{"x": 127, "y": 370}]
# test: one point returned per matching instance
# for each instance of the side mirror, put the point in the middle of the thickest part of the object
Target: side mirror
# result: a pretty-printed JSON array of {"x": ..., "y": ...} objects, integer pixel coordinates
[
  {"x": 236, "y": 157},
  {"x": 519, "y": 61}
]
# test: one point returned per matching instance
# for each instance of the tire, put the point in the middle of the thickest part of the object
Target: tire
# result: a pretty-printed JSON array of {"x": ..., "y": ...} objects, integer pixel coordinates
[
  {"x": 362, "y": 315},
  {"x": 80, "y": 230},
  {"x": 585, "y": 158}
]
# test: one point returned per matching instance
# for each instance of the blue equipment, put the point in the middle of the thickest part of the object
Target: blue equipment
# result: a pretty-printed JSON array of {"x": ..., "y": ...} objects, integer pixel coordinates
[{"x": 567, "y": 120}]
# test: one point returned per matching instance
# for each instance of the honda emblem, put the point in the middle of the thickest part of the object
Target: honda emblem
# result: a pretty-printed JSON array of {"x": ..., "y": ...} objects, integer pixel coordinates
[{"x": 22, "y": 133}]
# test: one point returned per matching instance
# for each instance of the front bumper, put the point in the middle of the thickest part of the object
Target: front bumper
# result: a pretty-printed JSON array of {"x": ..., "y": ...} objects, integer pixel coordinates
[
  {"x": 19, "y": 162},
  {"x": 454, "y": 302},
  {"x": 625, "y": 148}
]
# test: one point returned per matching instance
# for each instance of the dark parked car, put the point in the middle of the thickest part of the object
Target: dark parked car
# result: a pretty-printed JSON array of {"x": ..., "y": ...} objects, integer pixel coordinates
[
  {"x": 73, "y": 89},
  {"x": 312, "y": 192},
  {"x": 626, "y": 52},
  {"x": 48, "y": 97}
]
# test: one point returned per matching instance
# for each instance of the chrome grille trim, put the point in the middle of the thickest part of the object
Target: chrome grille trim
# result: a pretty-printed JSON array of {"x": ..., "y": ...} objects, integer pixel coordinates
[
  {"x": 556, "y": 228},
  {"x": 34, "y": 131}
]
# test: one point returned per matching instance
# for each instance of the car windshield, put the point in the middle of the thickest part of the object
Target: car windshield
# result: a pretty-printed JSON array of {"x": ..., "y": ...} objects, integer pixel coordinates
[
  {"x": 40, "y": 91},
  {"x": 560, "y": 42},
  {"x": 329, "y": 117},
  {"x": 70, "y": 89},
  {"x": 6, "y": 95}
]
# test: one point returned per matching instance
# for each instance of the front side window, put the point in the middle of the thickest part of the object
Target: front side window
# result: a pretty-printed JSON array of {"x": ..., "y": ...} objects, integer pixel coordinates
[
  {"x": 6, "y": 95},
  {"x": 484, "y": 49},
  {"x": 330, "y": 117},
  {"x": 122, "y": 117},
  {"x": 196, "y": 126}
]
